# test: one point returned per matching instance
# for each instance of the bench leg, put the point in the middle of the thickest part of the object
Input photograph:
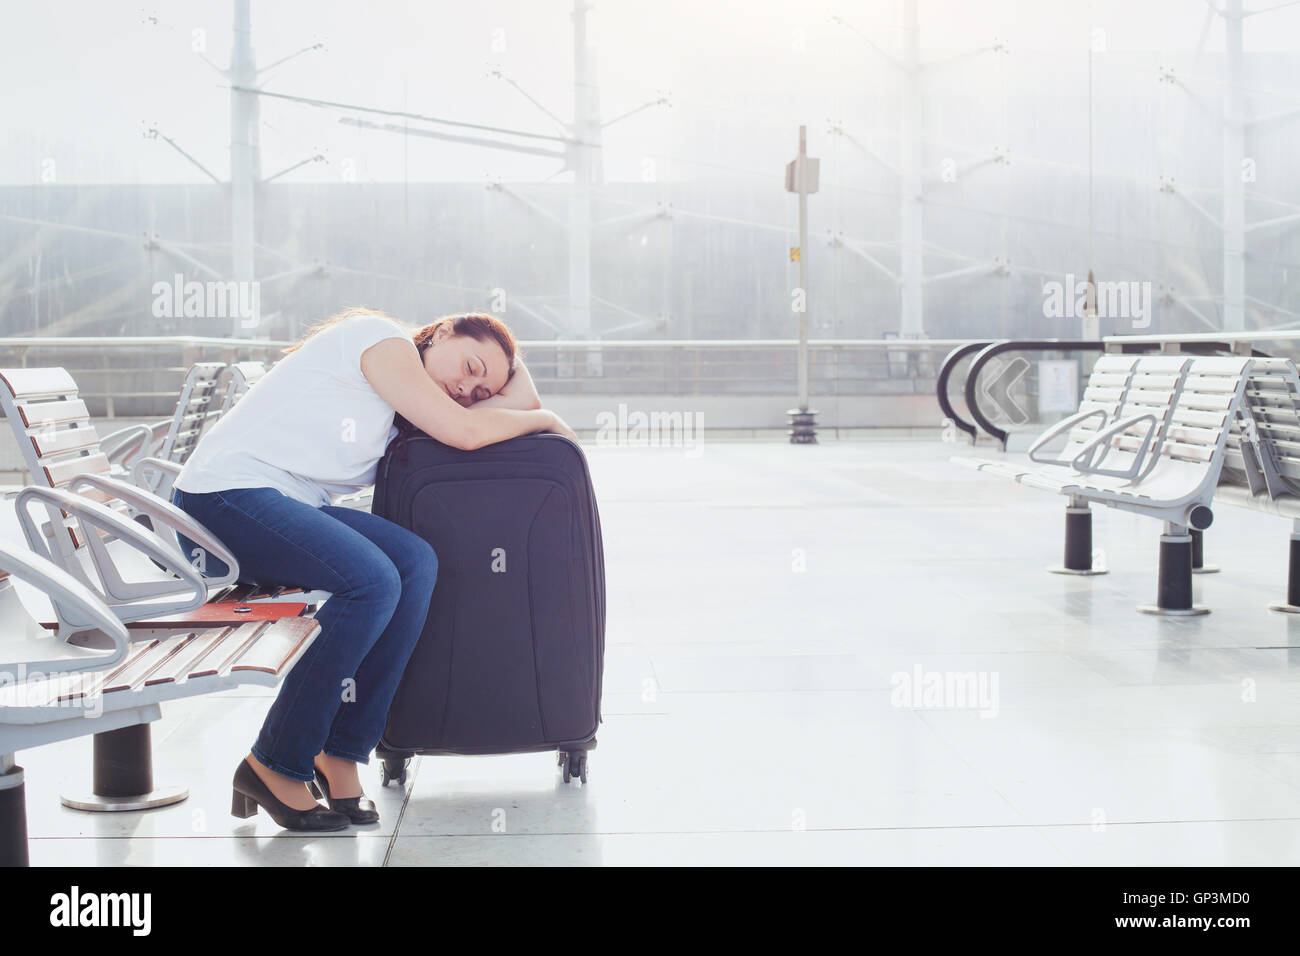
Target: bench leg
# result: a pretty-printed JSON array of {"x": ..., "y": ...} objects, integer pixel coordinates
[
  {"x": 1198, "y": 555},
  {"x": 1174, "y": 583},
  {"x": 1292, "y": 605},
  {"x": 1078, "y": 541},
  {"x": 13, "y": 814},
  {"x": 124, "y": 774}
]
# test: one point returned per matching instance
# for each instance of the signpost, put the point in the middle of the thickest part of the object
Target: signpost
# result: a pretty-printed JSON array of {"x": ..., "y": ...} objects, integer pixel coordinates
[{"x": 801, "y": 176}]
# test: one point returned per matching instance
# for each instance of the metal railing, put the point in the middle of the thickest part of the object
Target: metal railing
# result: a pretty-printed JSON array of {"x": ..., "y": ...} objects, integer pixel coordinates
[
  {"x": 131, "y": 376},
  {"x": 736, "y": 367},
  {"x": 140, "y": 376}
]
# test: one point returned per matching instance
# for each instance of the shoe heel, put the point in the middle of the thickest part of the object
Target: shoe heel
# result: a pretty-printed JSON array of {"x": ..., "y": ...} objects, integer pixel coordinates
[
  {"x": 315, "y": 790},
  {"x": 243, "y": 806}
]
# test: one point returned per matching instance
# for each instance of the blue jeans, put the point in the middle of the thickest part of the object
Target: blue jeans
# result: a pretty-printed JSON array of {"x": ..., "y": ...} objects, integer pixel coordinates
[{"x": 381, "y": 577}]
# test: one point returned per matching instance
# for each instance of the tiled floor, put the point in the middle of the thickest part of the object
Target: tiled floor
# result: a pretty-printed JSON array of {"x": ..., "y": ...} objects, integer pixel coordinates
[{"x": 764, "y": 605}]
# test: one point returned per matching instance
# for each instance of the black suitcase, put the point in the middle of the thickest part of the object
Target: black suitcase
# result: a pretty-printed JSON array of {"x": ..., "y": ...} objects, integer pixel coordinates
[{"x": 512, "y": 654}]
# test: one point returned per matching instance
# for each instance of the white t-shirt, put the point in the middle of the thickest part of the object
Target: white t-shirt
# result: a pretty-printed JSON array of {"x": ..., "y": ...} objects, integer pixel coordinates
[{"x": 312, "y": 427}]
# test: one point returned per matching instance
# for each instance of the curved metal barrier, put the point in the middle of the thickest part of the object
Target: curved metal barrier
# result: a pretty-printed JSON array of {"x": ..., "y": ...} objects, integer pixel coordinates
[
  {"x": 995, "y": 349},
  {"x": 941, "y": 385}
]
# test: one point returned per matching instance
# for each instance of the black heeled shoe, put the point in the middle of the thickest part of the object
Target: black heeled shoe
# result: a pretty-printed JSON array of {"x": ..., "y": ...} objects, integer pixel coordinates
[
  {"x": 359, "y": 810},
  {"x": 251, "y": 791}
]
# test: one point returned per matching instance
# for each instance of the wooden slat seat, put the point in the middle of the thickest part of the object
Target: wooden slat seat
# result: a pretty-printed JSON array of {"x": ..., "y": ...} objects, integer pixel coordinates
[{"x": 213, "y": 613}]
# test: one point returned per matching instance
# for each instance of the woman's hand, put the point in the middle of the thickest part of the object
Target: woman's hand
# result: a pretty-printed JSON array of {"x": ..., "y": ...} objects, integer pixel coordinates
[{"x": 558, "y": 427}]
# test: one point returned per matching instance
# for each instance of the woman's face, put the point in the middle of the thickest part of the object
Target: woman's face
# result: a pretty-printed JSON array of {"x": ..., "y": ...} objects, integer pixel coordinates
[{"x": 468, "y": 370}]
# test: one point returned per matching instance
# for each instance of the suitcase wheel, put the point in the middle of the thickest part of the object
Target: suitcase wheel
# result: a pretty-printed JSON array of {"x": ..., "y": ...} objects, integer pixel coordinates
[
  {"x": 574, "y": 764},
  {"x": 393, "y": 769}
]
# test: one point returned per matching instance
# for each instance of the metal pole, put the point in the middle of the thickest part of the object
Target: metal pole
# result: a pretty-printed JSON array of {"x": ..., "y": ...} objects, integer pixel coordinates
[
  {"x": 803, "y": 277},
  {"x": 580, "y": 199},
  {"x": 1234, "y": 213},
  {"x": 1091, "y": 322},
  {"x": 801, "y": 176},
  {"x": 910, "y": 324},
  {"x": 243, "y": 154}
]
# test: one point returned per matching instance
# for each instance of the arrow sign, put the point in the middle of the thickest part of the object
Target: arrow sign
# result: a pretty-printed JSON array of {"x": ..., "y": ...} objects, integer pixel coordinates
[{"x": 998, "y": 390}]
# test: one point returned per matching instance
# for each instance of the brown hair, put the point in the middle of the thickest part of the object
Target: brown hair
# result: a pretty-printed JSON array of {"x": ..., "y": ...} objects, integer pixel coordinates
[{"x": 477, "y": 325}]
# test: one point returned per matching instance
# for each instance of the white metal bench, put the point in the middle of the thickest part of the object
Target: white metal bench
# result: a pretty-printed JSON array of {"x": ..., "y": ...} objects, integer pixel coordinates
[
  {"x": 61, "y": 448},
  {"x": 156, "y": 471},
  {"x": 94, "y": 676},
  {"x": 1261, "y": 468},
  {"x": 196, "y": 408},
  {"x": 1160, "y": 456},
  {"x": 243, "y": 376},
  {"x": 171, "y": 439},
  {"x": 1120, "y": 388}
]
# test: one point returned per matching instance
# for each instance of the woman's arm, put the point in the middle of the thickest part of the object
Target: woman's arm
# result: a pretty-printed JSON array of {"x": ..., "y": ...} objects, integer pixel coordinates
[
  {"x": 393, "y": 369},
  {"x": 519, "y": 392}
]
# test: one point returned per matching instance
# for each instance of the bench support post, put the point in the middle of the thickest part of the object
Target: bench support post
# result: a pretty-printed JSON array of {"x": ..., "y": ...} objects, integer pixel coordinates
[
  {"x": 1292, "y": 605},
  {"x": 13, "y": 814},
  {"x": 124, "y": 774},
  {"x": 1174, "y": 582},
  {"x": 1078, "y": 540},
  {"x": 1198, "y": 555}
]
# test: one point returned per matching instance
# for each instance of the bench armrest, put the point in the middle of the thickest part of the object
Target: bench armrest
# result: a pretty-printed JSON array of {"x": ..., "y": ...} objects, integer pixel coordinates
[
  {"x": 354, "y": 498},
  {"x": 166, "y": 512},
  {"x": 1083, "y": 461},
  {"x": 93, "y": 513},
  {"x": 160, "y": 466},
  {"x": 120, "y": 445},
  {"x": 1056, "y": 430},
  {"x": 81, "y": 609}
]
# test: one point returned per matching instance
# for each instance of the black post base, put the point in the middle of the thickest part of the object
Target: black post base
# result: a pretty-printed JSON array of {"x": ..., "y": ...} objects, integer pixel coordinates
[
  {"x": 1292, "y": 605},
  {"x": 803, "y": 426},
  {"x": 1078, "y": 543},
  {"x": 1174, "y": 582},
  {"x": 123, "y": 777},
  {"x": 13, "y": 819},
  {"x": 1198, "y": 555}
]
